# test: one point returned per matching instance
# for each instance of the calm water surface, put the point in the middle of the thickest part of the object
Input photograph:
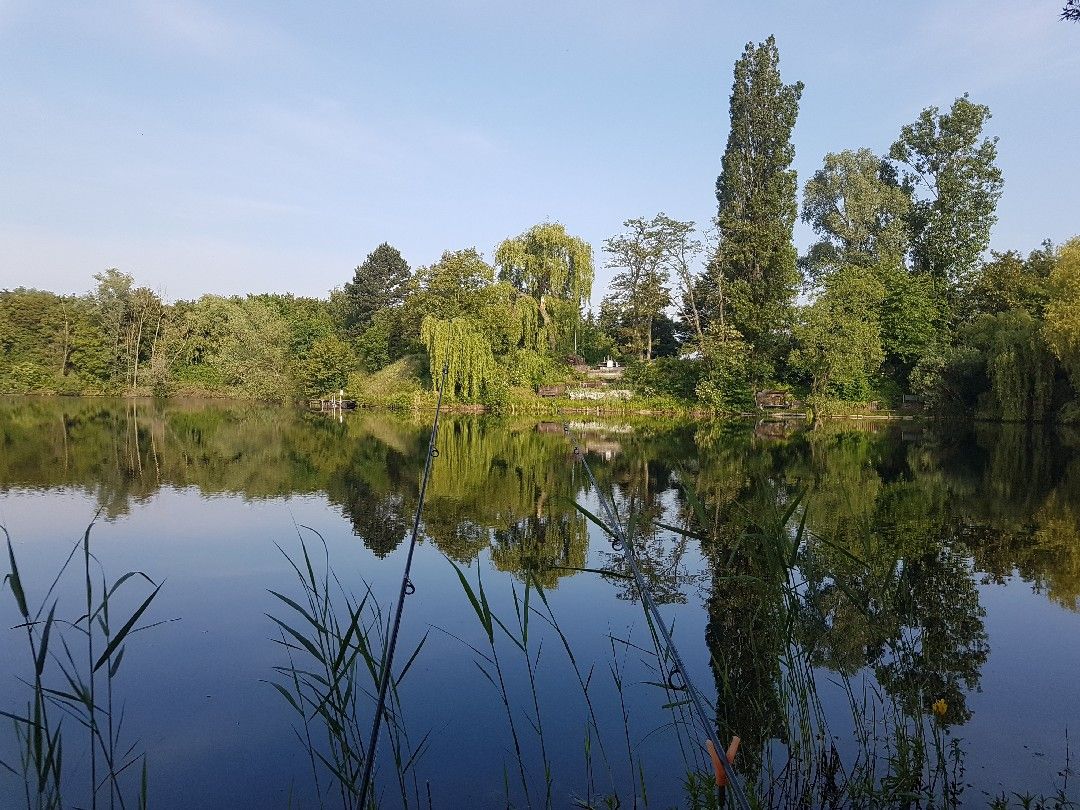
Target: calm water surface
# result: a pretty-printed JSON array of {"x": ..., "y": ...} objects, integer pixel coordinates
[{"x": 965, "y": 589}]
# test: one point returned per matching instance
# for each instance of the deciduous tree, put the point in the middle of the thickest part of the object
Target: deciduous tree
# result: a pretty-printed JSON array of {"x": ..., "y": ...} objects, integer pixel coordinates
[
  {"x": 1062, "y": 324},
  {"x": 554, "y": 268},
  {"x": 956, "y": 183},
  {"x": 859, "y": 210},
  {"x": 640, "y": 289},
  {"x": 838, "y": 338}
]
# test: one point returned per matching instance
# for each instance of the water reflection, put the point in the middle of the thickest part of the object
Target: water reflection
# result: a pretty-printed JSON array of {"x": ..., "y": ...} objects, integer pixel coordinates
[
  {"x": 901, "y": 525},
  {"x": 1006, "y": 496}
]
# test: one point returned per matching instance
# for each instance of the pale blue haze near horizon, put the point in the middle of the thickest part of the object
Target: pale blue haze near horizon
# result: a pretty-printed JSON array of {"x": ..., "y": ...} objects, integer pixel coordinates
[{"x": 248, "y": 147}]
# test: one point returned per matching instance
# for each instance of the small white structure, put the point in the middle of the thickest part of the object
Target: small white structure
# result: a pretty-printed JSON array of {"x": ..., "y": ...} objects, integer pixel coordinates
[{"x": 598, "y": 393}]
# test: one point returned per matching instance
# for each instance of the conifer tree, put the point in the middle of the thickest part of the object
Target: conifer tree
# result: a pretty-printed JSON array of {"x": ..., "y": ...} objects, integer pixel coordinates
[
  {"x": 755, "y": 273},
  {"x": 380, "y": 282}
]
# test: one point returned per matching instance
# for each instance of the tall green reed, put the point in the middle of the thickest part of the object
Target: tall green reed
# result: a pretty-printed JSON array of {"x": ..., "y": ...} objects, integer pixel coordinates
[
  {"x": 334, "y": 642},
  {"x": 608, "y": 779},
  {"x": 67, "y": 685}
]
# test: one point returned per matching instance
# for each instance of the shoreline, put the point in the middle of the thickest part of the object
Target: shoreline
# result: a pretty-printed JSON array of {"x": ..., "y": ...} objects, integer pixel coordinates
[{"x": 539, "y": 408}]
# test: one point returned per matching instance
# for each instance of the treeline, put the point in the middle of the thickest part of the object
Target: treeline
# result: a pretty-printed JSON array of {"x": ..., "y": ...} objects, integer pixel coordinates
[
  {"x": 896, "y": 296},
  {"x": 120, "y": 338}
]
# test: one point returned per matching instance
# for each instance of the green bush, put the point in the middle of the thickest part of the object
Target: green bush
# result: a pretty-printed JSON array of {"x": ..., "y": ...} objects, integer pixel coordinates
[
  {"x": 26, "y": 378},
  {"x": 666, "y": 377},
  {"x": 530, "y": 369}
]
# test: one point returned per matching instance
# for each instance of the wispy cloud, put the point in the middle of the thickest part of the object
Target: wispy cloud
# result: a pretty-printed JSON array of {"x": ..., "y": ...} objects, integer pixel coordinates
[{"x": 328, "y": 130}]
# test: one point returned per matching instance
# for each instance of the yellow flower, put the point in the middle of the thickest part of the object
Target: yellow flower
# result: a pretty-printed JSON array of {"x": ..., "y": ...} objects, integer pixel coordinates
[{"x": 940, "y": 707}]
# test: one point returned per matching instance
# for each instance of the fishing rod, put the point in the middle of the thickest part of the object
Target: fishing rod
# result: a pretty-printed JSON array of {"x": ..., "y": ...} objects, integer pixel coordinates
[
  {"x": 407, "y": 588},
  {"x": 621, "y": 542}
]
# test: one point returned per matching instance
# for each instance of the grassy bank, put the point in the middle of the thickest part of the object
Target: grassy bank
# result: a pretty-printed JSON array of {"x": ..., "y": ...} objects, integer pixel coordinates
[{"x": 406, "y": 385}]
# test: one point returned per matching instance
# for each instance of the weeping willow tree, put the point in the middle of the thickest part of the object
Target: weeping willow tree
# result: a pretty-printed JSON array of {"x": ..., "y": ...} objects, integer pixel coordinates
[
  {"x": 505, "y": 485},
  {"x": 554, "y": 268},
  {"x": 532, "y": 334},
  {"x": 1062, "y": 322},
  {"x": 1019, "y": 367},
  {"x": 457, "y": 343}
]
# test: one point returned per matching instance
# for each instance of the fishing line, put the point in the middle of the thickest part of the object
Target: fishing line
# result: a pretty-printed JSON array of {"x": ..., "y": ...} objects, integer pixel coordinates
[
  {"x": 407, "y": 589},
  {"x": 620, "y": 542}
]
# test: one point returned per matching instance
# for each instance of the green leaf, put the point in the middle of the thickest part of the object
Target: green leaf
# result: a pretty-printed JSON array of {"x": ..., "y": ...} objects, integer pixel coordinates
[
  {"x": 288, "y": 696},
  {"x": 295, "y": 606},
  {"x": 593, "y": 518},
  {"x": 683, "y": 532},
  {"x": 39, "y": 664},
  {"x": 16, "y": 581},
  {"x": 115, "y": 665},
  {"x": 416, "y": 652},
  {"x": 484, "y": 620},
  {"x": 118, "y": 639},
  {"x": 307, "y": 645}
]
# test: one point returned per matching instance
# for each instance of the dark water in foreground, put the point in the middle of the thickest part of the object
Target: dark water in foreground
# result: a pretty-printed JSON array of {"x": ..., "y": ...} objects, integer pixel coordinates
[{"x": 937, "y": 564}]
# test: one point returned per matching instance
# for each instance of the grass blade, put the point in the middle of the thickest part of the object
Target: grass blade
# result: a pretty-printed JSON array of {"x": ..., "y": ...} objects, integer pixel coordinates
[
  {"x": 39, "y": 664},
  {"x": 118, "y": 639},
  {"x": 16, "y": 581}
]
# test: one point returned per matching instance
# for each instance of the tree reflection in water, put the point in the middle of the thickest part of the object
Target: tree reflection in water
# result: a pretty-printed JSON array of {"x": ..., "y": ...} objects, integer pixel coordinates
[{"x": 900, "y": 526}]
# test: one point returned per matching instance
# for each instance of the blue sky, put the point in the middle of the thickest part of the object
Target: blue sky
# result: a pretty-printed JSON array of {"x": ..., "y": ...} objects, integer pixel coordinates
[{"x": 265, "y": 146}]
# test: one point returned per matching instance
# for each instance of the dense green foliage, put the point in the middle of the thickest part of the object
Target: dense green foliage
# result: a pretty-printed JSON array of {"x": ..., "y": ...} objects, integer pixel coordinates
[
  {"x": 754, "y": 269},
  {"x": 555, "y": 269},
  {"x": 123, "y": 338},
  {"x": 895, "y": 297},
  {"x": 379, "y": 283},
  {"x": 956, "y": 183},
  {"x": 1063, "y": 310},
  {"x": 859, "y": 210}
]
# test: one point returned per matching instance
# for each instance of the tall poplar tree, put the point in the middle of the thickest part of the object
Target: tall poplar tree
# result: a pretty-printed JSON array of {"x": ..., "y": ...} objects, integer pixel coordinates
[{"x": 754, "y": 272}]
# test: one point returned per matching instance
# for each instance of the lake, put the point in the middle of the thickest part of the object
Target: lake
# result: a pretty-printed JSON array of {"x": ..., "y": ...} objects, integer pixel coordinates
[{"x": 875, "y": 609}]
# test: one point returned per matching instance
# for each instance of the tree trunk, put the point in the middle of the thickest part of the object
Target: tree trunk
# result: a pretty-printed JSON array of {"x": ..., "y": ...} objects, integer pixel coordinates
[
  {"x": 138, "y": 345},
  {"x": 544, "y": 320},
  {"x": 67, "y": 345},
  {"x": 696, "y": 317},
  {"x": 153, "y": 344},
  {"x": 720, "y": 291}
]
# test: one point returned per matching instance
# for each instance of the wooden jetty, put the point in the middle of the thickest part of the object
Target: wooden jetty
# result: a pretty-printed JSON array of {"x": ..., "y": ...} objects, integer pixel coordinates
[{"x": 333, "y": 404}]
